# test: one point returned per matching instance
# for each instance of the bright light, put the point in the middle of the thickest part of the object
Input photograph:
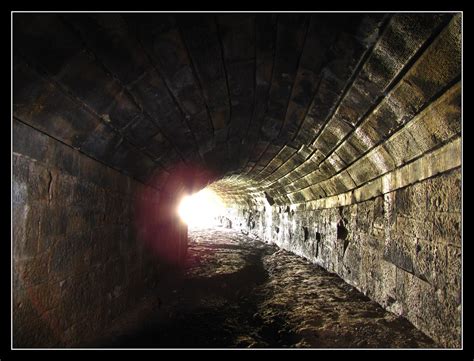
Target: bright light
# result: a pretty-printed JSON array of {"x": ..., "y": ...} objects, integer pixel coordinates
[{"x": 201, "y": 208}]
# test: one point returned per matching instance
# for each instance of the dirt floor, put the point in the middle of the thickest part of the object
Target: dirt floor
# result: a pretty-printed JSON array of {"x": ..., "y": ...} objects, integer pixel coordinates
[{"x": 238, "y": 292}]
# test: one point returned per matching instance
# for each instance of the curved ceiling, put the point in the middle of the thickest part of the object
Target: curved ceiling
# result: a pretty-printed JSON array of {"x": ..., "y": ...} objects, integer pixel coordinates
[{"x": 300, "y": 106}]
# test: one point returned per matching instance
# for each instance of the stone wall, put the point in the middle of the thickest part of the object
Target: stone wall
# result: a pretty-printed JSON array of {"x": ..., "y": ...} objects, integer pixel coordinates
[
  {"x": 375, "y": 196},
  {"x": 402, "y": 248},
  {"x": 77, "y": 262}
]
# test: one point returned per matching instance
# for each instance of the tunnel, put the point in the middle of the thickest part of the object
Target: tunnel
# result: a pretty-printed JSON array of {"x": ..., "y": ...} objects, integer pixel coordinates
[{"x": 329, "y": 142}]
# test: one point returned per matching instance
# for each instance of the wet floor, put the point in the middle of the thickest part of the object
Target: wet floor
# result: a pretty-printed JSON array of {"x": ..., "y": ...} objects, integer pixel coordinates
[{"x": 239, "y": 292}]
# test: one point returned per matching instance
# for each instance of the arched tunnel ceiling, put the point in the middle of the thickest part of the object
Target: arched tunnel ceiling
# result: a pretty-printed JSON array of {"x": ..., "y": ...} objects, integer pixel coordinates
[{"x": 301, "y": 106}]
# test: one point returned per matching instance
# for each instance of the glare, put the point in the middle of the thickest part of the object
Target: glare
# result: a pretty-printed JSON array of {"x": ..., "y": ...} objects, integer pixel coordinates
[{"x": 201, "y": 209}]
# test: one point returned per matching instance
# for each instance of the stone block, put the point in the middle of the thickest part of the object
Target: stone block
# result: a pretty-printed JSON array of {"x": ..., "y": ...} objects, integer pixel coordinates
[
  {"x": 430, "y": 262},
  {"x": 29, "y": 142},
  {"x": 346, "y": 151},
  {"x": 141, "y": 130},
  {"x": 20, "y": 178},
  {"x": 39, "y": 182},
  {"x": 52, "y": 103},
  {"x": 440, "y": 63},
  {"x": 29, "y": 330},
  {"x": 381, "y": 159},
  {"x": 31, "y": 271},
  {"x": 79, "y": 221},
  {"x": 66, "y": 254},
  {"x": 440, "y": 121},
  {"x": 386, "y": 285},
  {"x": 26, "y": 230},
  {"x": 453, "y": 272},
  {"x": 22, "y": 246},
  {"x": 362, "y": 171},
  {"x": 101, "y": 143},
  {"x": 446, "y": 227},
  {"x": 399, "y": 250},
  {"x": 53, "y": 220},
  {"x": 414, "y": 227},
  {"x": 444, "y": 192},
  {"x": 409, "y": 290},
  {"x": 402, "y": 147}
]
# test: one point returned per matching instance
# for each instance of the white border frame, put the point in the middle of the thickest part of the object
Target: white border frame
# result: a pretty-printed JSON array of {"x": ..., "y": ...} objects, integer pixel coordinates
[{"x": 242, "y": 12}]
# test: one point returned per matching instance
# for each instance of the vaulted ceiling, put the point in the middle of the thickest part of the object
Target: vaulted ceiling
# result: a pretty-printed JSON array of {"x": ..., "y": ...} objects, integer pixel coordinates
[{"x": 301, "y": 106}]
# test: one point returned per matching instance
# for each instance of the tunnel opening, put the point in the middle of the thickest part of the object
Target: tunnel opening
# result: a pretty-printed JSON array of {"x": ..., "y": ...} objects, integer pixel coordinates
[
  {"x": 224, "y": 180},
  {"x": 202, "y": 209}
]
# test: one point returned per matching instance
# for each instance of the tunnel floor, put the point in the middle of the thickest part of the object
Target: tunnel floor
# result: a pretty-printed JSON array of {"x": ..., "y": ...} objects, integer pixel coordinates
[{"x": 238, "y": 292}]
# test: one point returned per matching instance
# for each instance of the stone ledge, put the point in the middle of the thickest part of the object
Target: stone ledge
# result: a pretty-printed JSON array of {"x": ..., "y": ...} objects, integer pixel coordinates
[{"x": 439, "y": 161}]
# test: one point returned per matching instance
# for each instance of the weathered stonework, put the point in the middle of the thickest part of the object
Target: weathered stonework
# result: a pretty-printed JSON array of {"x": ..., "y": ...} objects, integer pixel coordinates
[
  {"x": 402, "y": 248},
  {"x": 78, "y": 261}
]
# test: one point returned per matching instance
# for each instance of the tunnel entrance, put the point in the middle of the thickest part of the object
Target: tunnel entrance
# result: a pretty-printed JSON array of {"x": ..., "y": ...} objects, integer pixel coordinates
[{"x": 203, "y": 209}]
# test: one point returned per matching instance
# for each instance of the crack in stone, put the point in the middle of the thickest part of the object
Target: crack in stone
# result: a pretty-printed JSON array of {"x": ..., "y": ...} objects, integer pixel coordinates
[{"x": 50, "y": 182}]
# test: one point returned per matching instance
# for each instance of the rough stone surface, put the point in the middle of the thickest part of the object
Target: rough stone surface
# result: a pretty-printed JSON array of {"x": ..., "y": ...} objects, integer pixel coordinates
[
  {"x": 401, "y": 249},
  {"x": 78, "y": 262}
]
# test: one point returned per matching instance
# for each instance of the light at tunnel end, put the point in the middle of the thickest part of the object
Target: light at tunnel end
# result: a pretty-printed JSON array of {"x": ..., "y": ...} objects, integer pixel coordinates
[{"x": 201, "y": 209}]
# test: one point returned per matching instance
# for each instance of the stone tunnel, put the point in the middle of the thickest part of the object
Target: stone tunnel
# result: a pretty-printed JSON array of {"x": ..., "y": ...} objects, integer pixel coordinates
[{"x": 332, "y": 139}]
